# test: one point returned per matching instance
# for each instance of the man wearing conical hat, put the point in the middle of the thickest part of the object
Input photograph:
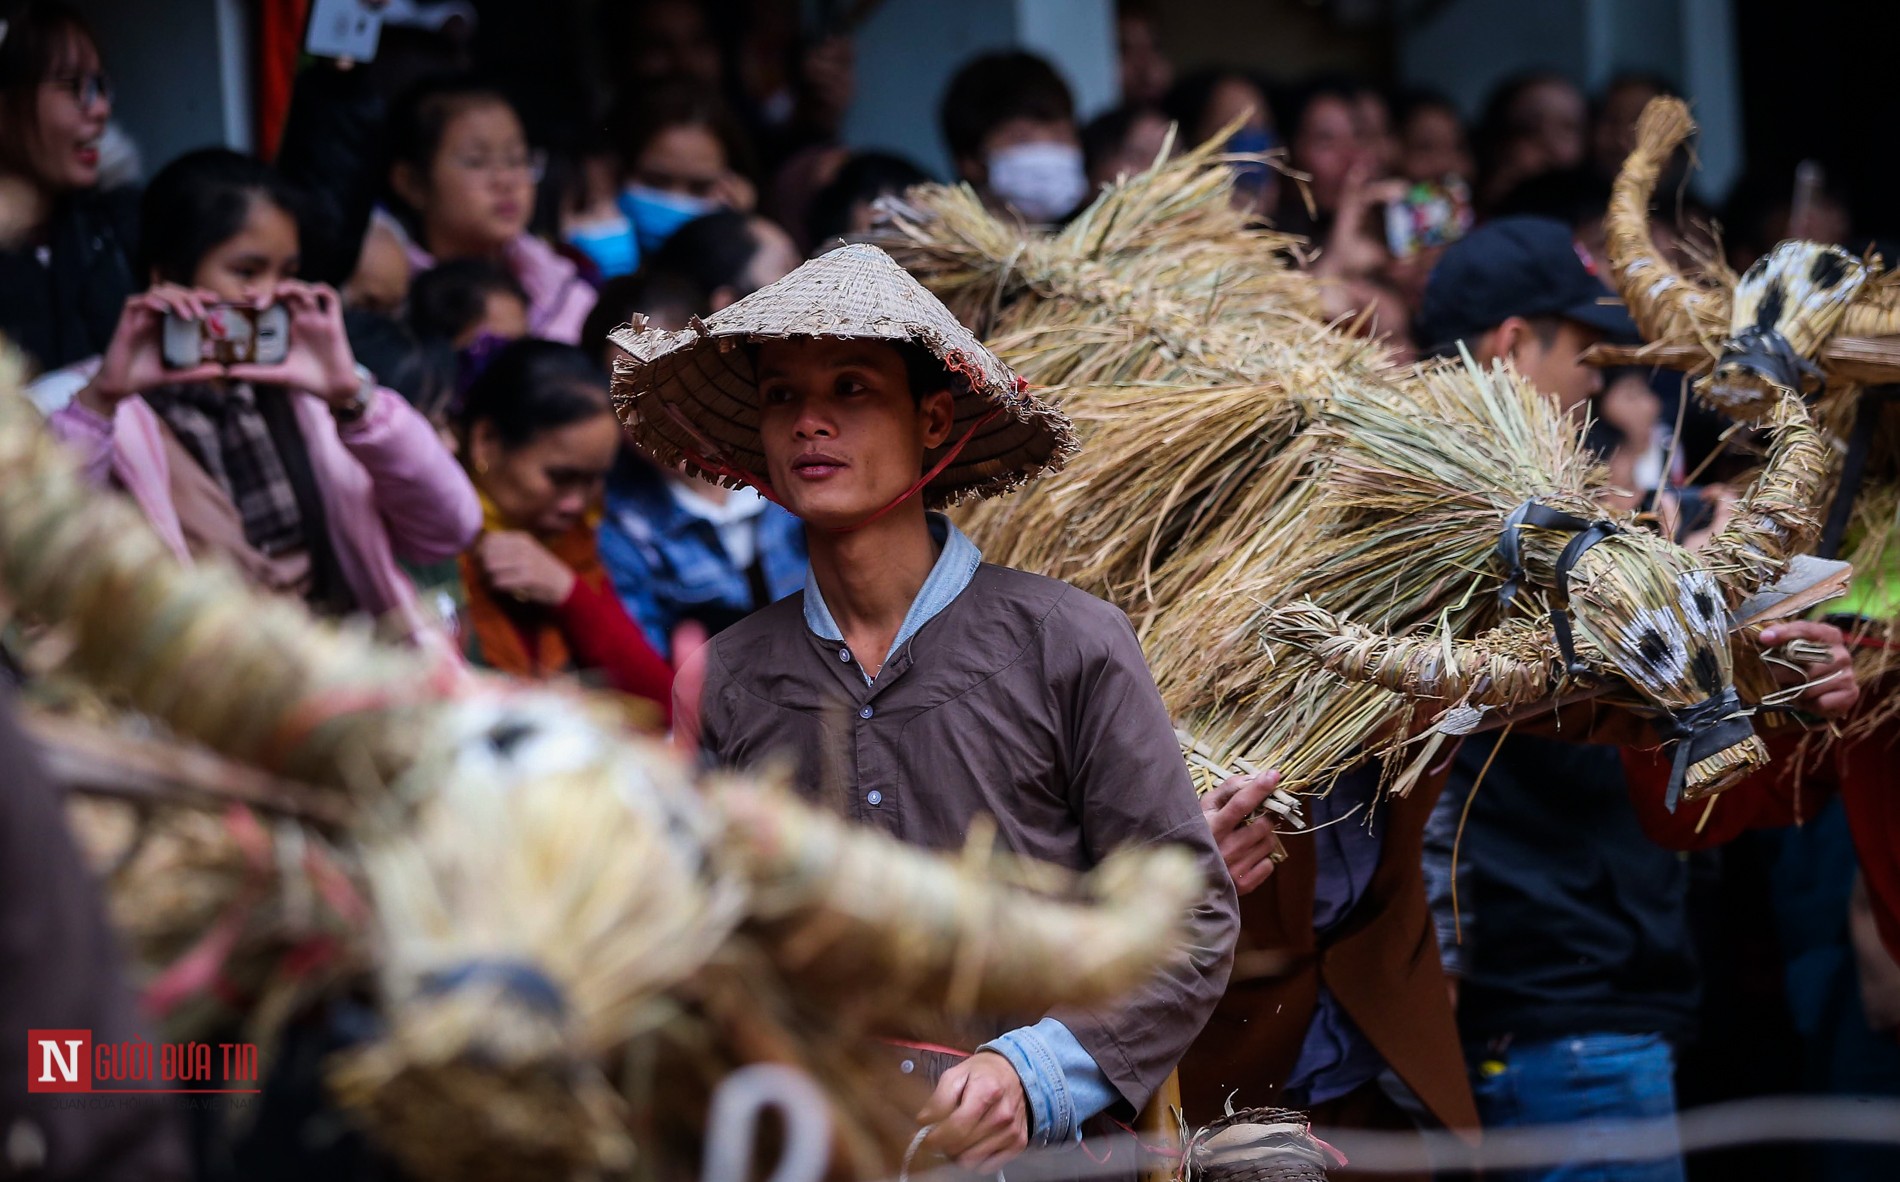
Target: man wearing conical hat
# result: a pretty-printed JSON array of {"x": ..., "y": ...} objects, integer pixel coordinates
[{"x": 915, "y": 687}]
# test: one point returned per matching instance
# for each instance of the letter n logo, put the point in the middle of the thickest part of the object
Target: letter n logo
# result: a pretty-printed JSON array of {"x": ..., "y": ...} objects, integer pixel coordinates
[{"x": 59, "y": 1060}]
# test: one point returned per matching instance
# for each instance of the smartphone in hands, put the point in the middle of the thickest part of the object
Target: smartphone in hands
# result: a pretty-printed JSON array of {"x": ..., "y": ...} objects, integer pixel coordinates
[
  {"x": 230, "y": 334},
  {"x": 1430, "y": 214}
]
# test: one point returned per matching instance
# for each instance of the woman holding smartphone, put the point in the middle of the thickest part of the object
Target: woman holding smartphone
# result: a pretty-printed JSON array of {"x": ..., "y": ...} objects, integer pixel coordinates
[{"x": 304, "y": 473}]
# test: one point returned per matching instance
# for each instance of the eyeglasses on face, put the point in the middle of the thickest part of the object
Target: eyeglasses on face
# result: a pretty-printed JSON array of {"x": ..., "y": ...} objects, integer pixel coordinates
[
  {"x": 534, "y": 164},
  {"x": 86, "y": 89}
]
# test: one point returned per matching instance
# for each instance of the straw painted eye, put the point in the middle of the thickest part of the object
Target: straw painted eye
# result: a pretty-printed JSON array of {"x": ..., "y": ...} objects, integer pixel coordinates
[
  {"x": 1653, "y": 647},
  {"x": 1656, "y": 648},
  {"x": 1768, "y": 312},
  {"x": 1829, "y": 269},
  {"x": 1706, "y": 669},
  {"x": 1701, "y": 602}
]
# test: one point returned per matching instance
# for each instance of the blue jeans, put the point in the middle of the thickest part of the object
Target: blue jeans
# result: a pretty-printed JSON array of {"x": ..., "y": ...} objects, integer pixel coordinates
[{"x": 1590, "y": 1081}]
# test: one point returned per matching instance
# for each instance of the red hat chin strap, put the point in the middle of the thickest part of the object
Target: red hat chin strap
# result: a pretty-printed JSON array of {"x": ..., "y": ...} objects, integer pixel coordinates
[{"x": 759, "y": 485}]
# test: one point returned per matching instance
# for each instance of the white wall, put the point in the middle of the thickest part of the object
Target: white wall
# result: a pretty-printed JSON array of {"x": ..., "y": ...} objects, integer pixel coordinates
[{"x": 181, "y": 72}]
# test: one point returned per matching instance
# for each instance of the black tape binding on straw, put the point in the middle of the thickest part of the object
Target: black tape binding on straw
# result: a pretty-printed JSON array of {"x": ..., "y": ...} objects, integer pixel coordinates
[
  {"x": 1699, "y": 731},
  {"x": 1711, "y": 725},
  {"x": 520, "y": 980},
  {"x": 1511, "y": 552},
  {"x": 1767, "y": 354}
]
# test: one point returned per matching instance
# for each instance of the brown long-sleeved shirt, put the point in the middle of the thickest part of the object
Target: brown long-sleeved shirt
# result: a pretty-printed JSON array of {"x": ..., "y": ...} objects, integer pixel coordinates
[{"x": 1026, "y": 700}]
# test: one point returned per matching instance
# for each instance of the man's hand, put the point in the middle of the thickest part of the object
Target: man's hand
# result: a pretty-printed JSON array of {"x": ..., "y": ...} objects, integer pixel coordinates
[
  {"x": 980, "y": 1112},
  {"x": 1250, "y": 851},
  {"x": 1834, "y": 691}
]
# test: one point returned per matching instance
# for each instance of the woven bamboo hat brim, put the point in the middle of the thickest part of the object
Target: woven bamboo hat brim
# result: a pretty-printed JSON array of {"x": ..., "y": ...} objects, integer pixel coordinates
[{"x": 692, "y": 395}]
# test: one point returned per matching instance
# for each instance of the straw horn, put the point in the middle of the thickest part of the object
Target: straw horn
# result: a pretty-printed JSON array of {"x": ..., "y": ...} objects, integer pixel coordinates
[
  {"x": 1666, "y": 304},
  {"x": 1780, "y": 514},
  {"x": 1483, "y": 671},
  {"x": 836, "y": 902},
  {"x": 1875, "y": 314}
]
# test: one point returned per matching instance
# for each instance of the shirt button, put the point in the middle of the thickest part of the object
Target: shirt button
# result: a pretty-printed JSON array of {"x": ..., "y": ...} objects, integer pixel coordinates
[
  {"x": 866, "y": 712},
  {"x": 844, "y": 654},
  {"x": 907, "y": 1066},
  {"x": 874, "y": 798}
]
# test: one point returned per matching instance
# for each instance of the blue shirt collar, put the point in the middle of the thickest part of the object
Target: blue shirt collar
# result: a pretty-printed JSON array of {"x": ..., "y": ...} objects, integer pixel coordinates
[{"x": 955, "y": 567}]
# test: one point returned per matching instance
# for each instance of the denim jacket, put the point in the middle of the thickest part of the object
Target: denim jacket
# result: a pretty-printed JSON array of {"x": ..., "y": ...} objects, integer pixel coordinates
[{"x": 668, "y": 564}]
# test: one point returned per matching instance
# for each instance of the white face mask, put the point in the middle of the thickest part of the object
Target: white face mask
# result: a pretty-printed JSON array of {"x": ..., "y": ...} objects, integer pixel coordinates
[{"x": 1042, "y": 181}]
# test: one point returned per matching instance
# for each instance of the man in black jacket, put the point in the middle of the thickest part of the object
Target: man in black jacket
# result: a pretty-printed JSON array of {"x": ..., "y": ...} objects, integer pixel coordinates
[{"x": 1569, "y": 941}]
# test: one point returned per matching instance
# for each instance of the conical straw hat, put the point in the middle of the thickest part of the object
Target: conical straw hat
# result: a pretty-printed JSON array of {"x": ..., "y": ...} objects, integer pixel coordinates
[{"x": 692, "y": 395}]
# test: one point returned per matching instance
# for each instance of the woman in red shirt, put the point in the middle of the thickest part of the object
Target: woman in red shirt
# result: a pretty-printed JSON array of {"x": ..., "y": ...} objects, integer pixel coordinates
[{"x": 538, "y": 437}]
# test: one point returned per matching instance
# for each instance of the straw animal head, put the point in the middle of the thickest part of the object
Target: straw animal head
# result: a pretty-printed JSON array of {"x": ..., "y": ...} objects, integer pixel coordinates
[
  {"x": 1765, "y": 332},
  {"x": 1478, "y": 540}
]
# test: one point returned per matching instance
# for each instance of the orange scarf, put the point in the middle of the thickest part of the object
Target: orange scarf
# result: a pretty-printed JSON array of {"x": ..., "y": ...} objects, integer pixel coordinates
[{"x": 524, "y": 639}]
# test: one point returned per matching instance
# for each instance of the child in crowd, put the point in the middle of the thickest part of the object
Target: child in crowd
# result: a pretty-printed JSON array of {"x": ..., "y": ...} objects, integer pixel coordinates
[
  {"x": 1208, "y": 102},
  {"x": 843, "y": 207},
  {"x": 680, "y": 157},
  {"x": 685, "y": 553},
  {"x": 463, "y": 180},
  {"x": 1122, "y": 141},
  {"x": 462, "y": 301},
  {"x": 728, "y": 254},
  {"x": 306, "y": 474},
  {"x": 538, "y": 438},
  {"x": 1433, "y": 148}
]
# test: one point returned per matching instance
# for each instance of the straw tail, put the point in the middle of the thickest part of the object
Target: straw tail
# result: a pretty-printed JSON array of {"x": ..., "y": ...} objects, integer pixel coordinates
[
  {"x": 838, "y": 905},
  {"x": 147, "y": 628},
  {"x": 1780, "y": 514},
  {"x": 1665, "y": 304}
]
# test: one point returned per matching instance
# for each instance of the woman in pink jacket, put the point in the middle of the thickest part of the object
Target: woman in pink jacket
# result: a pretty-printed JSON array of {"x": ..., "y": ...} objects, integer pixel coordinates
[
  {"x": 463, "y": 178},
  {"x": 305, "y": 474}
]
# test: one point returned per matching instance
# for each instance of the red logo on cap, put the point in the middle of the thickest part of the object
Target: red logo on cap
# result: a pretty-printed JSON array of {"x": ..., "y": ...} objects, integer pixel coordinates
[{"x": 1583, "y": 256}]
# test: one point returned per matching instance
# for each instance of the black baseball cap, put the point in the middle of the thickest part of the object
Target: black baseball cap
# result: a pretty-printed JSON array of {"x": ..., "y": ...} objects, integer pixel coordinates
[{"x": 1516, "y": 266}]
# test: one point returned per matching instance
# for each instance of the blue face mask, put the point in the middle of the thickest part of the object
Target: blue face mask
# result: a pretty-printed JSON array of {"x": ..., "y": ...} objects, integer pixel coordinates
[
  {"x": 657, "y": 214},
  {"x": 1252, "y": 141},
  {"x": 609, "y": 244}
]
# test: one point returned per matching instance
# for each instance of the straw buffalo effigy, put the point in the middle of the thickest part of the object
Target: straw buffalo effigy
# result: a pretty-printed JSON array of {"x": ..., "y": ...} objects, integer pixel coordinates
[
  {"x": 1807, "y": 321},
  {"x": 1328, "y": 558},
  {"x": 572, "y": 938}
]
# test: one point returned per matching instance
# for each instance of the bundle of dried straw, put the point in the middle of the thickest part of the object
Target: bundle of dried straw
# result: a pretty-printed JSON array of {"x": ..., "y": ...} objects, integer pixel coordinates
[{"x": 1238, "y": 455}]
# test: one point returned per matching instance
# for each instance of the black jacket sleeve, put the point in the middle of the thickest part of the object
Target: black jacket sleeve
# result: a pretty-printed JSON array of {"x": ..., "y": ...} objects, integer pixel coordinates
[{"x": 332, "y": 149}]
